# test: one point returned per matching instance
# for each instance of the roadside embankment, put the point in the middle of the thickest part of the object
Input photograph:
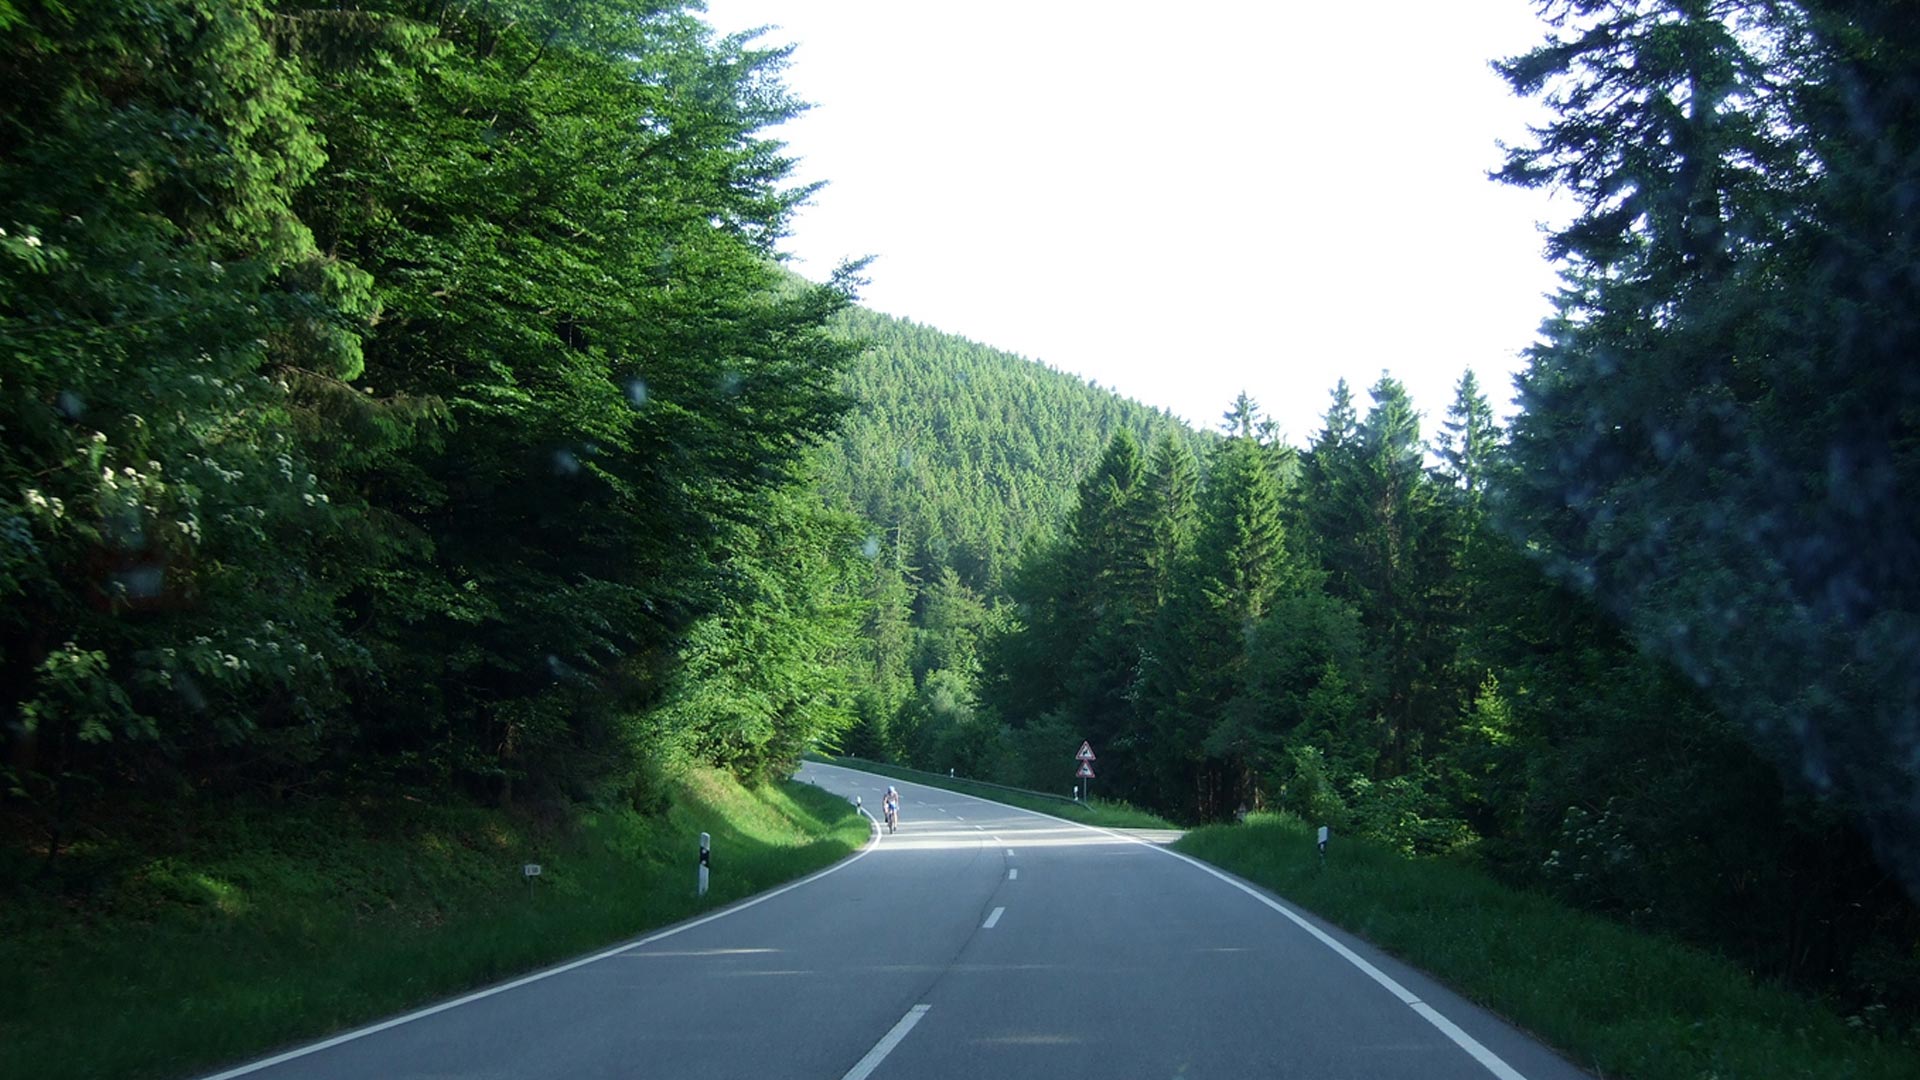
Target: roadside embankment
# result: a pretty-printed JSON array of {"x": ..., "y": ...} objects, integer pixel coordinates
[
  {"x": 1617, "y": 1002},
  {"x": 229, "y": 931}
]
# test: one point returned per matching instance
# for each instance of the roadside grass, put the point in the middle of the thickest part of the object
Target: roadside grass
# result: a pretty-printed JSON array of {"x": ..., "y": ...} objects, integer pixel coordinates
[
  {"x": 1106, "y": 813},
  {"x": 265, "y": 926},
  {"x": 1617, "y": 1002}
]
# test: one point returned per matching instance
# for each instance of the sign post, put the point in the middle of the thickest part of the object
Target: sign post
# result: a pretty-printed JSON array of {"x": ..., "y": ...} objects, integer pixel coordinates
[
  {"x": 1085, "y": 772},
  {"x": 1323, "y": 845},
  {"x": 706, "y": 860},
  {"x": 530, "y": 871}
]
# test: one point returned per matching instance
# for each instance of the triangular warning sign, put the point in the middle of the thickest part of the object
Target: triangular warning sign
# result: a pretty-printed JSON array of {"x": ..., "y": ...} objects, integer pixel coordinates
[
  {"x": 1086, "y": 770},
  {"x": 1086, "y": 752}
]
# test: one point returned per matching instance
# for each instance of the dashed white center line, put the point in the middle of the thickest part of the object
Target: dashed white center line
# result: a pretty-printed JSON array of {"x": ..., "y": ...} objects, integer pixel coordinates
[
  {"x": 997, "y": 840},
  {"x": 957, "y": 817},
  {"x": 979, "y": 828},
  {"x": 1013, "y": 873},
  {"x": 1009, "y": 851},
  {"x": 993, "y": 918},
  {"x": 865, "y": 1066}
]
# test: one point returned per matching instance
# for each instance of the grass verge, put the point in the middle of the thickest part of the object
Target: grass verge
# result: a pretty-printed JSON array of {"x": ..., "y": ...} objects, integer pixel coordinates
[
  {"x": 264, "y": 926},
  {"x": 1102, "y": 812},
  {"x": 1617, "y": 1002}
]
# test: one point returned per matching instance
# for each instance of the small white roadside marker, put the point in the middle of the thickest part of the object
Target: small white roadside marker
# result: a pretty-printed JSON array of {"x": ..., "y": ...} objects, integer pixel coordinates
[{"x": 993, "y": 918}]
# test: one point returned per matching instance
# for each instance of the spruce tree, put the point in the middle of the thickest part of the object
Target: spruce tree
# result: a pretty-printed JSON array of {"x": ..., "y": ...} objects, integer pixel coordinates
[{"x": 1717, "y": 441}]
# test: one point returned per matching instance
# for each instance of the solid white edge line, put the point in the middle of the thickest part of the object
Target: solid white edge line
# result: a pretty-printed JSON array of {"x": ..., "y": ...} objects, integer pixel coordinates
[
  {"x": 1492, "y": 1062},
  {"x": 865, "y": 1066},
  {"x": 1468, "y": 1043},
  {"x": 993, "y": 918},
  {"x": 873, "y": 841}
]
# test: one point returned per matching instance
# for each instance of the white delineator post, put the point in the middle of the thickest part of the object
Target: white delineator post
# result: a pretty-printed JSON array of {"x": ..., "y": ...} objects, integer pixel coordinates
[{"x": 706, "y": 860}]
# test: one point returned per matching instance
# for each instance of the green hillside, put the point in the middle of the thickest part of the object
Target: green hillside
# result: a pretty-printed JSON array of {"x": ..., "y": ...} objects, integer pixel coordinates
[
  {"x": 959, "y": 457},
  {"x": 961, "y": 452}
]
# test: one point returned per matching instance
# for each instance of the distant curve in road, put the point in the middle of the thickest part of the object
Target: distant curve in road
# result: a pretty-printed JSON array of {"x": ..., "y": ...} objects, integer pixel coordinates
[{"x": 980, "y": 940}]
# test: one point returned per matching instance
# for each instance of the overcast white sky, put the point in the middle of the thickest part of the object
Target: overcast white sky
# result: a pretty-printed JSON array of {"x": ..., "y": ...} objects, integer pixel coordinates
[{"x": 1178, "y": 202}]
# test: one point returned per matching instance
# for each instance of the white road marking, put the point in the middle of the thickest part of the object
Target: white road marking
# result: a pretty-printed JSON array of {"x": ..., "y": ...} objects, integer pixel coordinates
[
  {"x": 1468, "y": 1043},
  {"x": 358, "y": 1033},
  {"x": 957, "y": 817},
  {"x": 979, "y": 828},
  {"x": 1479, "y": 1052},
  {"x": 997, "y": 840},
  {"x": 993, "y": 918},
  {"x": 865, "y": 1066},
  {"x": 1013, "y": 873}
]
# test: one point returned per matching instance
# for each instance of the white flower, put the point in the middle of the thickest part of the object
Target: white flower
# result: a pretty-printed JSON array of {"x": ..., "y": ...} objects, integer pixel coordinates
[{"x": 33, "y": 241}]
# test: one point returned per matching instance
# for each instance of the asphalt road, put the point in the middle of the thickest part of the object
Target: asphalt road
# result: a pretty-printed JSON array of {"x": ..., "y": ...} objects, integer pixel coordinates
[{"x": 978, "y": 941}]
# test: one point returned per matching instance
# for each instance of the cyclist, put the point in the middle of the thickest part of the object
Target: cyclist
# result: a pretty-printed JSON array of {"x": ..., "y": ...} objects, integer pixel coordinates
[{"x": 891, "y": 805}]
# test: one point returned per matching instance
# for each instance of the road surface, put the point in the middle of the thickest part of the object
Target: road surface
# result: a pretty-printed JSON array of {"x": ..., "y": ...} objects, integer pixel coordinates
[{"x": 978, "y": 941}]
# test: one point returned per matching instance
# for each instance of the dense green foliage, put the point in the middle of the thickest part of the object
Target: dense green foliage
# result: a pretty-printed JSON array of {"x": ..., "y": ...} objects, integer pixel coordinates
[
  {"x": 959, "y": 457},
  {"x": 1652, "y": 650},
  {"x": 1719, "y": 441},
  {"x": 404, "y": 394},
  {"x": 964, "y": 454}
]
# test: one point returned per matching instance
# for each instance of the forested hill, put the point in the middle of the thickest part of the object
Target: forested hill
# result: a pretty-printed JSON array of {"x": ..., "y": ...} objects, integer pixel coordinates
[
  {"x": 958, "y": 458},
  {"x": 961, "y": 453}
]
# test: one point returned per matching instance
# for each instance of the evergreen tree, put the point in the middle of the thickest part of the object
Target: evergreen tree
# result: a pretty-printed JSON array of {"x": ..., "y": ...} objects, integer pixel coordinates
[
  {"x": 1169, "y": 514},
  {"x": 168, "y": 573},
  {"x": 1242, "y": 537},
  {"x": 1717, "y": 437},
  {"x": 1469, "y": 440},
  {"x": 1196, "y": 651}
]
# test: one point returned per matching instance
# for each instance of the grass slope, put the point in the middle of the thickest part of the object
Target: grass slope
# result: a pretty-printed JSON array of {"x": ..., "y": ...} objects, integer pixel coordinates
[
  {"x": 1620, "y": 1003},
  {"x": 262, "y": 926},
  {"x": 1102, "y": 812}
]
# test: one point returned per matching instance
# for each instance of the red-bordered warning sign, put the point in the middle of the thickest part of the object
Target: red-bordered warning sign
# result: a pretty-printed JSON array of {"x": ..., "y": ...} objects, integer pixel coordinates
[
  {"x": 1086, "y": 770},
  {"x": 1086, "y": 752}
]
